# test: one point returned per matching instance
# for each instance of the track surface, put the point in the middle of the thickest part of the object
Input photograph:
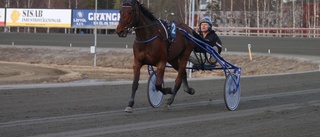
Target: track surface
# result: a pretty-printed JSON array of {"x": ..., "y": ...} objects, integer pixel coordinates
[
  {"x": 284, "y": 105},
  {"x": 277, "y": 105}
]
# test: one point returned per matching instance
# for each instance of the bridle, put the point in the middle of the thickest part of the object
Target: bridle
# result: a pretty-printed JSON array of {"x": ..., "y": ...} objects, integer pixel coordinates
[
  {"x": 132, "y": 22},
  {"x": 127, "y": 5},
  {"x": 133, "y": 19}
]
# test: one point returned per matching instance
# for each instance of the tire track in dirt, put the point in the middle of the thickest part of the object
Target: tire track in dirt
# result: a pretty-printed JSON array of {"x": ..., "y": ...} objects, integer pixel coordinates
[{"x": 24, "y": 73}]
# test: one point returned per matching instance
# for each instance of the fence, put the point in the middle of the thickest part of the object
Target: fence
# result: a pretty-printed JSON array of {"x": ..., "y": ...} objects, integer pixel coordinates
[
  {"x": 243, "y": 31},
  {"x": 268, "y": 32}
]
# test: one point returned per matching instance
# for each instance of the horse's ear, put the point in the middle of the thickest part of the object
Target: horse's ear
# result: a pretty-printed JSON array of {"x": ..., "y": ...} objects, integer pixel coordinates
[
  {"x": 126, "y": 1},
  {"x": 130, "y": 2},
  {"x": 135, "y": 2}
]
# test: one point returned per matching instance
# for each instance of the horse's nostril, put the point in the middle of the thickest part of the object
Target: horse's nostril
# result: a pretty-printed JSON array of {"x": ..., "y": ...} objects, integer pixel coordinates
[{"x": 122, "y": 33}]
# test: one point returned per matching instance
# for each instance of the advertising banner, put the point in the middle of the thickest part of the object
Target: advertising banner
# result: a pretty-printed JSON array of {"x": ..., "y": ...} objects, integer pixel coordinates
[
  {"x": 2, "y": 14},
  {"x": 38, "y": 17},
  {"x": 107, "y": 19}
]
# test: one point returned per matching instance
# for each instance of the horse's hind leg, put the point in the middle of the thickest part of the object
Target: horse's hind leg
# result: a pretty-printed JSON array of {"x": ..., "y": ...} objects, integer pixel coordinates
[
  {"x": 136, "y": 75},
  {"x": 178, "y": 81},
  {"x": 181, "y": 78},
  {"x": 175, "y": 90},
  {"x": 186, "y": 87},
  {"x": 159, "y": 80}
]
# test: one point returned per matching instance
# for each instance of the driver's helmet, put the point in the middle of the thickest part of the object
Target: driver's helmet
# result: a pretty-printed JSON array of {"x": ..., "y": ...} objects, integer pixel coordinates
[{"x": 206, "y": 20}]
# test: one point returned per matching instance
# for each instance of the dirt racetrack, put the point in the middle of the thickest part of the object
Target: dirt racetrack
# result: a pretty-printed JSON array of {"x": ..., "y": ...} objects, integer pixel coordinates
[
  {"x": 277, "y": 105},
  {"x": 31, "y": 64}
]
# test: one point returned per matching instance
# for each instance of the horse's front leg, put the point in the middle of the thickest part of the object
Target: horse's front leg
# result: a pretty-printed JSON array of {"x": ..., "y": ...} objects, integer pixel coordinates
[{"x": 135, "y": 85}]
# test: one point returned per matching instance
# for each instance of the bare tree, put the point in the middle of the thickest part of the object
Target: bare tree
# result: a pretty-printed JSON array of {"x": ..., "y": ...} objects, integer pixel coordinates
[
  {"x": 231, "y": 18},
  {"x": 29, "y": 4},
  {"x": 281, "y": 13},
  {"x": 314, "y": 15},
  {"x": 258, "y": 15},
  {"x": 18, "y": 3},
  {"x": 308, "y": 16},
  {"x": 49, "y": 4},
  {"x": 8, "y": 3},
  {"x": 250, "y": 3},
  {"x": 18, "y": 6},
  {"x": 49, "y": 7},
  {"x": 245, "y": 13},
  {"x": 264, "y": 14},
  {"x": 269, "y": 14},
  {"x": 117, "y": 4},
  {"x": 180, "y": 13},
  {"x": 293, "y": 14},
  {"x": 232, "y": 13}
]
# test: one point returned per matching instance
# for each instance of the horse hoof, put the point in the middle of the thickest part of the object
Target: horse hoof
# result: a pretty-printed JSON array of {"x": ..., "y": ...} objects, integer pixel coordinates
[
  {"x": 191, "y": 91},
  {"x": 168, "y": 107},
  {"x": 128, "y": 110},
  {"x": 170, "y": 101}
]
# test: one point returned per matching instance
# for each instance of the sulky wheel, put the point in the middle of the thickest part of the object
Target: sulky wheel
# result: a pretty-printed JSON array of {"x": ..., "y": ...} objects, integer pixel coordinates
[
  {"x": 155, "y": 97},
  {"x": 231, "y": 92}
]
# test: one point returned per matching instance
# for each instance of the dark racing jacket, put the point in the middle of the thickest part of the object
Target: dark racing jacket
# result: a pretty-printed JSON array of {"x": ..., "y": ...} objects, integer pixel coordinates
[{"x": 213, "y": 39}]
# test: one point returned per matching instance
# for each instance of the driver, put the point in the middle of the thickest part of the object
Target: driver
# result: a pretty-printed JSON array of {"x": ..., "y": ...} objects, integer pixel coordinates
[{"x": 209, "y": 35}]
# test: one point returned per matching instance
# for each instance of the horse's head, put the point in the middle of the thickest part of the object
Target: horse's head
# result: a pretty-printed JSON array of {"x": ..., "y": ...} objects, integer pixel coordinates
[{"x": 128, "y": 17}]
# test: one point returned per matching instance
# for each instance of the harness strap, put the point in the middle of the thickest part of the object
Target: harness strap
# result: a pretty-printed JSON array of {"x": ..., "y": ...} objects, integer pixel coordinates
[
  {"x": 165, "y": 29},
  {"x": 146, "y": 41},
  {"x": 135, "y": 28},
  {"x": 166, "y": 39},
  {"x": 156, "y": 36}
]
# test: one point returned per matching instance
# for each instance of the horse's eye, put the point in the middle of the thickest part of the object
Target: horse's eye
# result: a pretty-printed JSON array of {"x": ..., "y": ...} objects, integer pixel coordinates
[{"x": 130, "y": 12}]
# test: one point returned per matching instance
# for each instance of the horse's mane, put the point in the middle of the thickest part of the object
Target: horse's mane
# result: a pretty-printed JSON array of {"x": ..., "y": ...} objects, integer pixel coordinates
[{"x": 147, "y": 12}]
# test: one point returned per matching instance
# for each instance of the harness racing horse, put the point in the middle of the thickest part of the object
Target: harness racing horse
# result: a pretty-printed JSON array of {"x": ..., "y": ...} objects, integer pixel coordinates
[{"x": 153, "y": 47}]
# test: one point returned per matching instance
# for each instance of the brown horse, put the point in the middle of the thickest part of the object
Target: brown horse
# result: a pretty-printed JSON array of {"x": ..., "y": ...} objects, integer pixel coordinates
[{"x": 153, "y": 47}]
